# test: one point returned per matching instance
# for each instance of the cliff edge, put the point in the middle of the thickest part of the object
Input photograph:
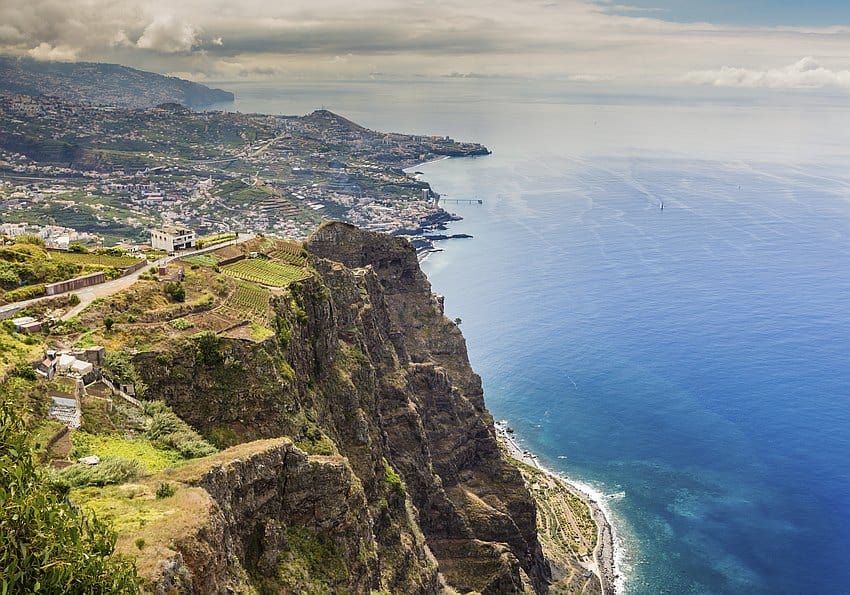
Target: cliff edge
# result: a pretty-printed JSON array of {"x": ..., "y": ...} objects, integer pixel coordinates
[{"x": 359, "y": 454}]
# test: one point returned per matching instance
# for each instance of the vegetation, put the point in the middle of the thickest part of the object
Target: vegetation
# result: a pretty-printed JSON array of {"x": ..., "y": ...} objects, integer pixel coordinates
[
  {"x": 249, "y": 302},
  {"x": 119, "y": 367},
  {"x": 175, "y": 291},
  {"x": 164, "y": 490},
  {"x": 312, "y": 563},
  {"x": 169, "y": 431},
  {"x": 265, "y": 272},
  {"x": 152, "y": 457},
  {"x": 110, "y": 470},
  {"x": 392, "y": 480},
  {"x": 48, "y": 545}
]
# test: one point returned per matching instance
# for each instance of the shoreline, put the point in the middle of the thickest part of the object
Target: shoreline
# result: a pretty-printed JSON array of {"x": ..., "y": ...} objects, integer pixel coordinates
[{"x": 604, "y": 554}]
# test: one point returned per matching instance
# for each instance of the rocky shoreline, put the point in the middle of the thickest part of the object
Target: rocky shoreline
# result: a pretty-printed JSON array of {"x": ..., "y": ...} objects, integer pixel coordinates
[{"x": 604, "y": 552}]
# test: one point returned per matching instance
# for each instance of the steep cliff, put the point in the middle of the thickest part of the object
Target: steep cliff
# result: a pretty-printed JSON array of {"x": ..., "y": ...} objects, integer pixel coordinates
[{"x": 392, "y": 461}]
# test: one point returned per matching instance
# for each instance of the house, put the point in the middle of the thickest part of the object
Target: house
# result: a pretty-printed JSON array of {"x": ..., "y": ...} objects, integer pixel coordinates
[
  {"x": 172, "y": 238},
  {"x": 27, "y": 324}
]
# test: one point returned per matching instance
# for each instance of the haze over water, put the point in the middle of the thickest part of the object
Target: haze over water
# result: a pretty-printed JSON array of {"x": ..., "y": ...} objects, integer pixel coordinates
[{"x": 691, "y": 363}]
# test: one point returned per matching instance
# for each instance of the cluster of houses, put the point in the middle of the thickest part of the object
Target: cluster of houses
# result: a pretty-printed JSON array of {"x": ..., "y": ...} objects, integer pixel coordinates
[{"x": 71, "y": 371}]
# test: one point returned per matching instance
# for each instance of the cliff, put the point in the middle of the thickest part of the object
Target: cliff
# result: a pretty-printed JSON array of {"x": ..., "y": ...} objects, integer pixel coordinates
[{"x": 362, "y": 456}]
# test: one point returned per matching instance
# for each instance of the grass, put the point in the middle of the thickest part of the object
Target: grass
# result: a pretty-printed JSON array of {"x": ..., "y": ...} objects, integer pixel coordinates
[
  {"x": 118, "y": 262},
  {"x": 153, "y": 459},
  {"x": 265, "y": 272},
  {"x": 204, "y": 260}
]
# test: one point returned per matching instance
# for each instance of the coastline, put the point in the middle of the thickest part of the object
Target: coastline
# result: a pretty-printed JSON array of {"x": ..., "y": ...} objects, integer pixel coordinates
[{"x": 604, "y": 554}]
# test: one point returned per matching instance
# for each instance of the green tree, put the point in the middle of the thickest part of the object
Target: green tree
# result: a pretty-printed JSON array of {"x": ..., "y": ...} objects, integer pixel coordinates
[
  {"x": 48, "y": 545},
  {"x": 175, "y": 291}
]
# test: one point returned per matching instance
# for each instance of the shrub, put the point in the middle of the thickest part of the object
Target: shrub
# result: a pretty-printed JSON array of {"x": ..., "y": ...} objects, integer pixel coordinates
[
  {"x": 119, "y": 368},
  {"x": 109, "y": 470},
  {"x": 169, "y": 431},
  {"x": 140, "y": 543},
  {"x": 108, "y": 322},
  {"x": 77, "y": 248},
  {"x": 24, "y": 371},
  {"x": 50, "y": 546},
  {"x": 164, "y": 490},
  {"x": 175, "y": 291},
  {"x": 180, "y": 324},
  {"x": 74, "y": 299},
  {"x": 208, "y": 349}
]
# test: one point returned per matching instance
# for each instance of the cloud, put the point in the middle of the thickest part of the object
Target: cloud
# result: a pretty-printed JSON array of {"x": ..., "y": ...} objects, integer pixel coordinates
[
  {"x": 45, "y": 51},
  {"x": 579, "y": 40},
  {"x": 169, "y": 36},
  {"x": 806, "y": 73}
]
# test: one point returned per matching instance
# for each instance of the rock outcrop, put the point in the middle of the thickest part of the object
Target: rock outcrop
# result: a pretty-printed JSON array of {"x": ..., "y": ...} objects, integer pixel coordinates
[{"x": 392, "y": 481}]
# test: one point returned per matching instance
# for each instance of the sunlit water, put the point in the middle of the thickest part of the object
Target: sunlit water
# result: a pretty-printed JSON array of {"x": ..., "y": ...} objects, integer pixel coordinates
[{"x": 692, "y": 363}]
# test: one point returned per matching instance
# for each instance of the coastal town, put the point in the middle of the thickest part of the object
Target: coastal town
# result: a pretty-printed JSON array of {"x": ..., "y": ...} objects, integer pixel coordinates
[{"x": 73, "y": 172}]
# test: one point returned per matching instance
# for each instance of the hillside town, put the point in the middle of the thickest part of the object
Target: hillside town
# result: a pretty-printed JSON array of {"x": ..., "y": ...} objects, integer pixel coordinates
[{"x": 108, "y": 175}]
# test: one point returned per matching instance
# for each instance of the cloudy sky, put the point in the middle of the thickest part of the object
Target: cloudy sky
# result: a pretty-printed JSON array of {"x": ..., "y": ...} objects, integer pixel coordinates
[{"x": 734, "y": 43}]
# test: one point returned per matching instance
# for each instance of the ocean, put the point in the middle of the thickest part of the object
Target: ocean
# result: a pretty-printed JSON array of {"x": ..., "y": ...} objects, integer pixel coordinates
[{"x": 690, "y": 364}]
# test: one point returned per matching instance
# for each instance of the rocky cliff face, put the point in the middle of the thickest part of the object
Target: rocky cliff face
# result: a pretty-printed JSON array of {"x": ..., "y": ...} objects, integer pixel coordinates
[{"x": 393, "y": 461}]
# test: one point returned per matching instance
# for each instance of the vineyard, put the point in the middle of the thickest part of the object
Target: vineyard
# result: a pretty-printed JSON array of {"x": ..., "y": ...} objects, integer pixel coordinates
[
  {"x": 248, "y": 302},
  {"x": 265, "y": 272},
  {"x": 118, "y": 262}
]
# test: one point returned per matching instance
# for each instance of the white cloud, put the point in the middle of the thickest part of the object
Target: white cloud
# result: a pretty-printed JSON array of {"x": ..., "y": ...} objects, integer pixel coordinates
[
  {"x": 61, "y": 53},
  {"x": 169, "y": 36},
  {"x": 806, "y": 73},
  {"x": 581, "y": 40}
]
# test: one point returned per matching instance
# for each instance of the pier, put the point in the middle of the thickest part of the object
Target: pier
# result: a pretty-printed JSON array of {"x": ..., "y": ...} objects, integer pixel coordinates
[{"x": 464, "y": 201}]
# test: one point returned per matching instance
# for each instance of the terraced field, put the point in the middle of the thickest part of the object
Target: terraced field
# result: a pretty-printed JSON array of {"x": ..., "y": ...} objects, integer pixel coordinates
[
  {"x": 249, "y": 302},
  {"x": 118, "y": 262},
  {"x": 265, "y": 272}
]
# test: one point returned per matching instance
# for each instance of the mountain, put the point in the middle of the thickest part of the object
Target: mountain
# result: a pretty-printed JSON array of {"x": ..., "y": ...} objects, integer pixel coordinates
[{"x": 103, "y": 84}]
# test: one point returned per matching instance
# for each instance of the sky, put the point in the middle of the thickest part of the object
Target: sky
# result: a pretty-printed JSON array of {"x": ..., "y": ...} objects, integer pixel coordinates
[{"x": 773, "y": 44}]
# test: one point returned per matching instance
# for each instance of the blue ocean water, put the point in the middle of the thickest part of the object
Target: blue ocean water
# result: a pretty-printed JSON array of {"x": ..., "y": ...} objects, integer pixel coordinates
[{"x": 692, "y": 364}]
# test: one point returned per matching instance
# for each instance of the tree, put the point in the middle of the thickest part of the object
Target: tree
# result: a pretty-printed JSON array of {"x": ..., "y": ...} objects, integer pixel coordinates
[
  {"x": 175, "y": 291},
  {"x": 108, "y": 322},
  {"x": 458, "y": 321},
  {"x": 77, "y": 248},
  {"x": 48, "y": 545}
]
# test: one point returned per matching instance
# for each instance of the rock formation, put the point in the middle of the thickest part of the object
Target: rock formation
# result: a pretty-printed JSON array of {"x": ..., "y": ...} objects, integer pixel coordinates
[{"x": 382, "y": 472}]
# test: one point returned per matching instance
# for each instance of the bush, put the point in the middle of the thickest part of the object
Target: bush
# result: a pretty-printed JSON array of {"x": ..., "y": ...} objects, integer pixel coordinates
[
  {"x": 164, "y": 490},
  {"x": 119, "y": 368},
  {"x": 169, "y": 431},
  {"x": 48, "y": 545},
  {"x": 208, "y": 349},
  {"x": 175, "y": 291},
  {"x": 74, "y": 299},
  {"x": 24, "y": 371},
  {"x": 77, "y": 248},
  {"x": 110, "y": 470},
  {"x": 108, "y": 322},
  {"x": 180, "y": 324},
  {"x": 140, "y": 542}
]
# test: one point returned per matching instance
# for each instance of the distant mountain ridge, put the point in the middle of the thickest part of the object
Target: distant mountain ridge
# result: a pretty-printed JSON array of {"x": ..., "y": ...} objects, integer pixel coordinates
[{"x": 103, "y": 84}]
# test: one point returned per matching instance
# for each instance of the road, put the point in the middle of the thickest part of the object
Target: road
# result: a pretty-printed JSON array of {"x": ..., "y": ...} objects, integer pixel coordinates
[{"x": 89, "y": 294}]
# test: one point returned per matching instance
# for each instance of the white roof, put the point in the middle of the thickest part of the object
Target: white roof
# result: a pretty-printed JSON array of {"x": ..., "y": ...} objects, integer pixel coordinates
[
  {"x": 81, "y": 367},
  {"x": 66, "y": 359}
]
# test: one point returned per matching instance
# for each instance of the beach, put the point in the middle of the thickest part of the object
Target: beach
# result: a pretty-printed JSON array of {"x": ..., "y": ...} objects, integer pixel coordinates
[{"x": 603, "y": 560}]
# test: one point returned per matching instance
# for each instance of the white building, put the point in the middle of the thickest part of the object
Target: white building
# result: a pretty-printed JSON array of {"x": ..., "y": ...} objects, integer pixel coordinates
[{"x": 172, "y": 237}]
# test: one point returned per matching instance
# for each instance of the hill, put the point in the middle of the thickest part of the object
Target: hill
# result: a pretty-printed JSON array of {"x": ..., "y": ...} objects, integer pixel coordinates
[{"x": 103, "y": 84}]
